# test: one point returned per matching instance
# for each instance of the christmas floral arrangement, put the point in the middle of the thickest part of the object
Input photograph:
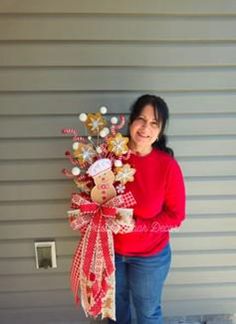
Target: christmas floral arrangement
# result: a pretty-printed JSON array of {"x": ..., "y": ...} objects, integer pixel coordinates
[{"x": 99, "y": 207}]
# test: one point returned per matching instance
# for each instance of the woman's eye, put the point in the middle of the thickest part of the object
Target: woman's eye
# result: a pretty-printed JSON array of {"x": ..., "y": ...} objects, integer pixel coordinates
[{"x": 155, "y": 124}]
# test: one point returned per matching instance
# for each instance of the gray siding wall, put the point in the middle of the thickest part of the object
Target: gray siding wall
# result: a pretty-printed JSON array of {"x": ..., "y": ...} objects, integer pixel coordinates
[{"x": 60, "y": 58}]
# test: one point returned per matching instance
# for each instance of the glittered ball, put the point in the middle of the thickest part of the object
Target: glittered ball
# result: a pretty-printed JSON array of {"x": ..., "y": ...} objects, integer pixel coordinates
[
  {"x": 114, "y": 120},
  {"x": 118, "y": 163},
  {"x": 83, "y": 117},
  {"x": 75, "y": 171},
  {"x": 99, "y": 150},
  {"x": 75, "y": 146},
  {"x": 89, "y": 138},
  {"x": 103, "y": 110},
  {"x": 103, "y": 133},
  {"x": 106, "y": 130}
]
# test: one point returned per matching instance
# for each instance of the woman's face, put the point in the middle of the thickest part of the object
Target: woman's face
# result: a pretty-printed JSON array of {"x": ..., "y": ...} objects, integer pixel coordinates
[{"x": 145, "y": 129}]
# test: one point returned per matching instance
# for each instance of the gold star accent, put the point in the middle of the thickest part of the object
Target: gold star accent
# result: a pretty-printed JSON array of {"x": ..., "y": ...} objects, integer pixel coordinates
[
  {"x": 118, "y": 144},
  {"x": 125, "y": 174},
  {"x": 95, "y": 123},
  {"x": 82, "y": 185}
]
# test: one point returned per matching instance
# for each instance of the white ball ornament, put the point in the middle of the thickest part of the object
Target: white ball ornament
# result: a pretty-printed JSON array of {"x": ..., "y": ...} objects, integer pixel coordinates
[
  {"x": 114, "y": 120},
  {"x": 118, "y": 163},
  {"x": 75, "y": 171},
  {"x": 103, "y": 110},
  {"x": 106, "y": 130},
  {"x": 83, "y": 117},
  {"x": 99, "y": 150},
  {"x": 75, "y": 146},
  {"x": 103, "y": 133}
]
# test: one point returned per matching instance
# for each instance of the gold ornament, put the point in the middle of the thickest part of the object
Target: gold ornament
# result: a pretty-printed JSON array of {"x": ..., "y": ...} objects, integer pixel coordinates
[
  {"x": 83, "y": 185},
  {"x": 125, "y": 174},
  {"x": 118, "y": 144},
  {"x": 85, "y": 153},
  {"x": 95, "y": 123}
]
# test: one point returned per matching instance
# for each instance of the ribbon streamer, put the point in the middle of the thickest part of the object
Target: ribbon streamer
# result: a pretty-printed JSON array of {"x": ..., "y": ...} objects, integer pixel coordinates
[{"x": 93, "y": 269}]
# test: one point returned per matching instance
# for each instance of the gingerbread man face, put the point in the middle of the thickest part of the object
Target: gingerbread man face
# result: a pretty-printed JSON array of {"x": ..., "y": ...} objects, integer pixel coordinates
[{"x": 104, "y": 177}]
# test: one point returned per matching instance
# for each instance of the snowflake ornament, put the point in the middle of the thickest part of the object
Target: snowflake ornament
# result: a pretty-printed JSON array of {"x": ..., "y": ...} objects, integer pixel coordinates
[
  {"x": 120, "y": 188},
  {"x": 95, "y": 123},
  {"x": 103, "y": 141},
  {"x": 125, "y": 174},
  {"x": 85, "y": 153},
  {"x": 98, "y": 160},
  {"x": 118, "y": 144}
]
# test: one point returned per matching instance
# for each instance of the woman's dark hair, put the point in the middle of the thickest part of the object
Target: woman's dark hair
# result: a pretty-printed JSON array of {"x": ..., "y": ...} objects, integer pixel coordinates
[{"x": 161, "y": 110}]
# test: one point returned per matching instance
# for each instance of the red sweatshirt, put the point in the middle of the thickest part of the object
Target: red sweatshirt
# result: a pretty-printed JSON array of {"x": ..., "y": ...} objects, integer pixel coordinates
[{"x": 159, "y": 191}]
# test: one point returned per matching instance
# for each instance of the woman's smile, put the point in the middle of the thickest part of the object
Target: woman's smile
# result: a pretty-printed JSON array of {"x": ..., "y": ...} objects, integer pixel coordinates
[
  {"x": 142, "y": 135},
  {"x": 144, "y": 131}
]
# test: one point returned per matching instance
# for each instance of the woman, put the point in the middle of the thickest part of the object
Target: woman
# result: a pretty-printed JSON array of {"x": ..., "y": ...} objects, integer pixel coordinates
[{"x": 143, "y": 256}]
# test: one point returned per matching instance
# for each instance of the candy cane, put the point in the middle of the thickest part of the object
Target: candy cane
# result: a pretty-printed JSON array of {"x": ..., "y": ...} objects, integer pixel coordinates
[
  {"x": 75, "y": 133},
  {"x": 111, "y": 156},
  {"x": 115, "y": 128},
  {"x": 80, "y": 139},
  {"x": 122, "y": 122},
  {"x": 103, "y": 147},
  {"x": 70, "y": 131},
  {"x": 81, "y": 177},
  {"x": 68, "y": 173}
]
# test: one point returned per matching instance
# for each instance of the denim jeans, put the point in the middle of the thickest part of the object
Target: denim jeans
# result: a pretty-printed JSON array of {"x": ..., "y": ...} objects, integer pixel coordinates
[{"x": 142, "y": 278}]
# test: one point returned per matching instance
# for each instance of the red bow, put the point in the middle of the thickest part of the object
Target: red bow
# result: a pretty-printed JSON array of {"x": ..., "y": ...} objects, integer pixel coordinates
[
  {"x": 93, "y": 260},
  {"x": 98, "y": 225}
]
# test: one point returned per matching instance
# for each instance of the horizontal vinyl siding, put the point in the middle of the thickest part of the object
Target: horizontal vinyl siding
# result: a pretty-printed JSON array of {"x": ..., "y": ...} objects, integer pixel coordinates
[
  {"x": 54, "y": 103},
  {"x": 128, "y": 55},
  {"x": 138, "y": 7},
  {"x": 116, "y": 28},
  {"x": 120, "y": 79},
  {"x": 60, "y": 58}
]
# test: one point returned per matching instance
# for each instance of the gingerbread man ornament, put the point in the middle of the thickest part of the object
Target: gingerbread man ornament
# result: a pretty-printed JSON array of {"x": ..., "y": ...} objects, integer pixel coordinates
[{"x": 103, "y": 178}]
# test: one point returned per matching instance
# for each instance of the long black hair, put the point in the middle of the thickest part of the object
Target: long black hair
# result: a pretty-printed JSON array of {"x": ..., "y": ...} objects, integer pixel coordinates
[{"x": 161, "y": 110}]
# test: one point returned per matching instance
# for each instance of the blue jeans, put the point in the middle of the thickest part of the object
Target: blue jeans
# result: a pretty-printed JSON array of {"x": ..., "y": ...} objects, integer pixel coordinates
[{"x": 142, "y": 278}]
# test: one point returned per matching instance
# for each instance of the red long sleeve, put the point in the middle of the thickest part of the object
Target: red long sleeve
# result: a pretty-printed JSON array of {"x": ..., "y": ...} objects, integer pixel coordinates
[
  {"x": 160, "y": 194},
  {"x": 173, "y": 211}
]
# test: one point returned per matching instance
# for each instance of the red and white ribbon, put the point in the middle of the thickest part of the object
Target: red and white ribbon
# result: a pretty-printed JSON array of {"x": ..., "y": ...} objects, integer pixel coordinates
[{"x": 92, "y": 270}]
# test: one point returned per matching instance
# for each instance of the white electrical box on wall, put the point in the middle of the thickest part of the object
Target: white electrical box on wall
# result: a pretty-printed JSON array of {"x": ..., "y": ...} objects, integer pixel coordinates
[{"x": 45, "y": 254}]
